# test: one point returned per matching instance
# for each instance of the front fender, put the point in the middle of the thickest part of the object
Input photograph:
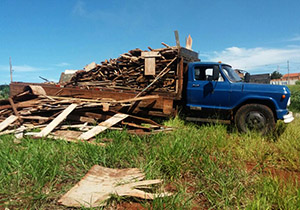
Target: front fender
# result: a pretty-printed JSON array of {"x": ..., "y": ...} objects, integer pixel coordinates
[{"x": 262, "y": 100}]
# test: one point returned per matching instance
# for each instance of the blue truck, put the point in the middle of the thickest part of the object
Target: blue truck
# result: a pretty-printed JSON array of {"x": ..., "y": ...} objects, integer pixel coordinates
[
  {"x": 216, "y": 86},
  {"x": 204, "y": 91}
]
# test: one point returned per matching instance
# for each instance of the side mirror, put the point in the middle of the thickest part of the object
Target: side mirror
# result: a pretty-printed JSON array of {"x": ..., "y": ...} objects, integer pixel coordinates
[
  {"x": 247, "y": 77},
  {"x": 216, "y": 72}
]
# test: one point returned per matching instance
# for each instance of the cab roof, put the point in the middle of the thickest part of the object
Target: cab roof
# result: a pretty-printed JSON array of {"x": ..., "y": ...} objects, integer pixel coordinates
[{"x": 209, "y": 63}]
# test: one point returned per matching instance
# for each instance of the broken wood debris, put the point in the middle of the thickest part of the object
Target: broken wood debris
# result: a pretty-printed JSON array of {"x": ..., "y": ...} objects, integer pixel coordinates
[
  {"x": 54, "y": 114},
  {"x": 97, "y": 186},
  {"x": 103, "y": 126},
  {"x": 133, "y": 70}
]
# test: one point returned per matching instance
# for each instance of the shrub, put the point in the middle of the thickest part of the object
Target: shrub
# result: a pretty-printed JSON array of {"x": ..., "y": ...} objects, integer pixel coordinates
[
  {"x": 295, "y": 99},
  {"x": 4, "y": 91}
]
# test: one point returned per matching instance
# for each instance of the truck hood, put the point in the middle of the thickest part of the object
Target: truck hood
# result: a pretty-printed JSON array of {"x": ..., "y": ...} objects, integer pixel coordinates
[
  {"x": 266, "y": 88},
  {"x": 279, "y": 94}
]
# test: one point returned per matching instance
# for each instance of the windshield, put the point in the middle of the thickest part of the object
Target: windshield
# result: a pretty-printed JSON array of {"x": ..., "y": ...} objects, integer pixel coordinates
[{"x": 231, "y": 74}]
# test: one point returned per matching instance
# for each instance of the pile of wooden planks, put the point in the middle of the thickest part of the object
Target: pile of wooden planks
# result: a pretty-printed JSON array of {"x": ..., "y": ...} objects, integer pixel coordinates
[
  {"x": 66, "y": 118},
  {"x": 134, "y": 70}
]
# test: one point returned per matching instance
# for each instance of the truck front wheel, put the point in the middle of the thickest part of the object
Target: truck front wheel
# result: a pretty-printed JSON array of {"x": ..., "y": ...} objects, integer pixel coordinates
[{"x": 255, "y": 117}]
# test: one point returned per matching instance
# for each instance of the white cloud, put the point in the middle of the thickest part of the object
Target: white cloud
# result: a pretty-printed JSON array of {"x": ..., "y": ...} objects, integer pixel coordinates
[
  {"x": 21, "y": 68},
  {"x": 254, "y": 59},
  {"x": 80, "y": 9},
  {"x": 63, "y": 64},
  {"x": 295, "y": 38}
]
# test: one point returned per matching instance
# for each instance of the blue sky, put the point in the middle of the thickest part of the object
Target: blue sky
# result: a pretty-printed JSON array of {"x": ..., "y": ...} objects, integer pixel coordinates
[{"x": 46, "y": 37}]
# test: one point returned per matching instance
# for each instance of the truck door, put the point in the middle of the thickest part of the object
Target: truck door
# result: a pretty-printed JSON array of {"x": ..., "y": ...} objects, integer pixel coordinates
[{"x": 205, "y": 93}]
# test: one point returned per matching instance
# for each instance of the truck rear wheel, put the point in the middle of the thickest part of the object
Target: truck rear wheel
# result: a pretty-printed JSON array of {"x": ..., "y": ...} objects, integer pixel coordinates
[{"x": 255, "y": 117}]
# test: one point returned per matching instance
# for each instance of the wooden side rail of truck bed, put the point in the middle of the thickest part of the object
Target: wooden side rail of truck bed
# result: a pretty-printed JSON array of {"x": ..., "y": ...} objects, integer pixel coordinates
[{"x": 162, "y": 106}]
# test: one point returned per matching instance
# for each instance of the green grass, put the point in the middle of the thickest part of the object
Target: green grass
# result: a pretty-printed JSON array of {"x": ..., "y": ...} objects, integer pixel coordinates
[{"x": 205, "y": 165}]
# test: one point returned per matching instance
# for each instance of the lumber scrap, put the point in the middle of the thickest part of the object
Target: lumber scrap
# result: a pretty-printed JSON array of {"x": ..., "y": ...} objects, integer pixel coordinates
[
  {"x": 37, "y": 90},
  {"x": 97, "y": 186},
  {"x": 13, "y": 106},
  {"x": 150, "y": 62},
  {"x": 21, "y": 129},
  {"x": 177, "y": 38},
  {"x": 103, "y": 126},
  {"x": 34, "y": 110},
  {"x": 138, "y": 99},
  {"x": 189, "y": 42},
  {"x": 57, "y": 121},
  {"x": 131, "y": 71},
  {"x": 150, "y": 66},
  {"x": 7, "y": 122},
  {"x": 90, "y": 66},
  {"x": 161, "y": 74}
]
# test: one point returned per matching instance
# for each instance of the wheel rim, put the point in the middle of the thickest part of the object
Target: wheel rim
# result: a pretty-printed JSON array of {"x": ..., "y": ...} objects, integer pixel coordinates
[{"x": 255, "y": 121}]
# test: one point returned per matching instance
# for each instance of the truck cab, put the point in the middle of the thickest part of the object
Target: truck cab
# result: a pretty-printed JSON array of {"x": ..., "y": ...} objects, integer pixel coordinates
[{"x": 216, "y": 86}]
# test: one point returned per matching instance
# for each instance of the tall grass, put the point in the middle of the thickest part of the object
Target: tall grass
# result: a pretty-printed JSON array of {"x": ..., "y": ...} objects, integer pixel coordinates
[{"x": 205, "y": 165}]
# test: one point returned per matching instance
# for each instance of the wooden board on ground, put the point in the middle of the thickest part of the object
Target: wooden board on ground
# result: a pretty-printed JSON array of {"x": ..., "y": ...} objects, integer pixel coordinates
[
  {"x": 97, "y": 186},
  {"x": 57, "y": 121},
  {"x": 103, "y": 126},
  {"x": 69, "y": 134}
]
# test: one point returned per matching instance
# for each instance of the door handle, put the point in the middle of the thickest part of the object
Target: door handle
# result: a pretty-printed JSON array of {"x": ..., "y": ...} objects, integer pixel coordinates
[{"x": 196, "y": 85}]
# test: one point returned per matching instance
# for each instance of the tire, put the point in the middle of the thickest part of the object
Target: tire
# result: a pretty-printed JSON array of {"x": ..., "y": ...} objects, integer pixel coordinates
[{"x": 255, "y": 117}]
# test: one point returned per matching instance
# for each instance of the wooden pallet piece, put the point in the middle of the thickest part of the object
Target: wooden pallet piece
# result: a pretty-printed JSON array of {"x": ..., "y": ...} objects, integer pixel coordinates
[
  {"x": 103, "y": 126},
  {"x": 62, "y": 116}
]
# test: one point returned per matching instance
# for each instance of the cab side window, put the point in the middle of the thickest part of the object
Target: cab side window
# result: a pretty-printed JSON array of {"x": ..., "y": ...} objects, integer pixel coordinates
[{"x": 205, "y": 73}]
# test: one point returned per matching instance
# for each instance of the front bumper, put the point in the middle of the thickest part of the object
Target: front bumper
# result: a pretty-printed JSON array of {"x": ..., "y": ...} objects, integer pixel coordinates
[{"x": 288, "y": 117}]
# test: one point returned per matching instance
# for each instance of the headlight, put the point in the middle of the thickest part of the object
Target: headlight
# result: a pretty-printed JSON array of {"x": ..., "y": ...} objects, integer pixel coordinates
[{"x": 289, "y": 101}]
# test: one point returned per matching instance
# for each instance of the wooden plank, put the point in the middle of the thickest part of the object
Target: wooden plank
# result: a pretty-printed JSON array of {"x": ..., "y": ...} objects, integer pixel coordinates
[
  {"x": 161, "y": 74},
  {"x": 164, "y": 44},
  {"x": 150, "y": 54},
  {"x": 189, "y": 42},
  {"x": 103, "y": 126},
  {"x": 57, "y": 121},
  {"x": 90, "y": 66},
  {"x": 177, "y": 38},
  {"x": 37, "y": 90},
  {"x": 23, "y": 129},
  {"x": 76, "y": 117},
  {"x": 11, "y": 119},
  {"x": 34, "y": 118},
  {"x": 149, "y": 66},
  {"x": 139, "y": 99},
  {"x": 136, "y": 126},
  {"x": 100, "y": 183},
  {"x": 13, "y": 106},
  {"x": 168, "y": 106},
  {"x": 23, "y": 104},
  {"x": 67, "y": 134}
]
